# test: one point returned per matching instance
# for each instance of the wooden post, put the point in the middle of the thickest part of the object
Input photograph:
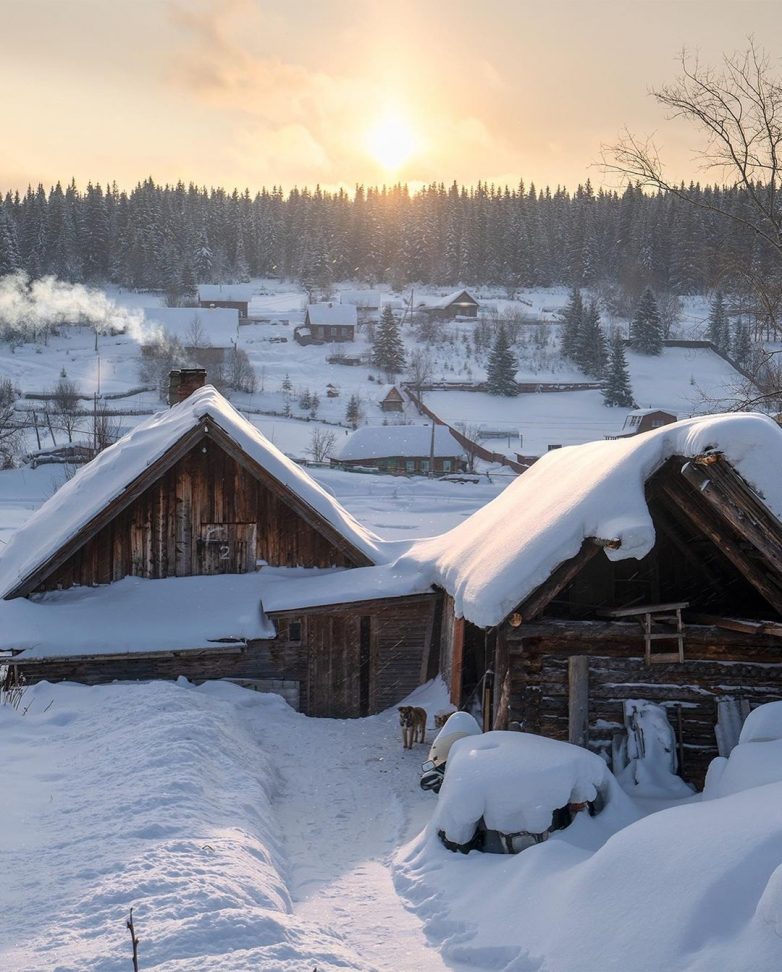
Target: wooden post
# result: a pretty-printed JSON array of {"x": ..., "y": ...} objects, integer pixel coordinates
[
  {"x": 457, "y": 657},
  {"x": 578, "y": 699}
]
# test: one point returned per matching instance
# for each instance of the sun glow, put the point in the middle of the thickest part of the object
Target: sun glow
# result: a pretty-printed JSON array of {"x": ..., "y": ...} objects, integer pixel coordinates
[{"x": 391, "y": 141}]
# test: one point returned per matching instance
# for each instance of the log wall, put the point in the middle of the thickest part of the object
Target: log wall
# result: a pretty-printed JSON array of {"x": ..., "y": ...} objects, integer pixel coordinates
[
  {"x": 206, "y": 514},
  {"x": 717, "y": 665}
]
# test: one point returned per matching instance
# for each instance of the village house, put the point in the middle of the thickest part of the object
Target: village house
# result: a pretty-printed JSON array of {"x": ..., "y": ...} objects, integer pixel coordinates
[
  {"x": 402, "y": 450},
  {"x": 644, "y": 420},
  {"x": 647, "y": 568},
  {"x": 366, "y": 302},
  {"x": 205, "y": 333},
  {"x": 193, "y": 547},
  {"x": 453, "y": 306},
  {"x": 327, "y": 322},
  {"x": 393, "y": 401},
  {"x": 232, "y": 296}
]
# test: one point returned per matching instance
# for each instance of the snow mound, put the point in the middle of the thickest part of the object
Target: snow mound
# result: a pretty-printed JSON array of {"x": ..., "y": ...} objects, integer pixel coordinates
[
  {"x": 157, "y": 797},
  {"x": 515, "y": 781},
  {"x": 763, "y": 723}
]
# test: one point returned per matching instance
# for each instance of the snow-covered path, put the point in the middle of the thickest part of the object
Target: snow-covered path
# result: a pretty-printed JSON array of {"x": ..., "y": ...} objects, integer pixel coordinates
[{"x": 349, "y": 800}]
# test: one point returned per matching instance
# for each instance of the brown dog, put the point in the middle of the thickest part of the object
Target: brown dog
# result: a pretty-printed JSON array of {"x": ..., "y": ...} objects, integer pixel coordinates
[
  {"x": 413, "y": 723},
  {"x": 440, "y": 718}
]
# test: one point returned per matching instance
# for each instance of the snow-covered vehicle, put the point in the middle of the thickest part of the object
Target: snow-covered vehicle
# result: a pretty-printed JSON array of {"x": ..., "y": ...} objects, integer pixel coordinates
[
  {"x": 457, "y": 726},
  {"x": 506, "y": 791},
  {"x": 755, "y": 761}
]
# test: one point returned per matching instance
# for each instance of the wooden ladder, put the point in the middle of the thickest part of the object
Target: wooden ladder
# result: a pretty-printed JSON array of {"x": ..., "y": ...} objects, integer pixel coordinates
[{"x": 648, "y": 615}]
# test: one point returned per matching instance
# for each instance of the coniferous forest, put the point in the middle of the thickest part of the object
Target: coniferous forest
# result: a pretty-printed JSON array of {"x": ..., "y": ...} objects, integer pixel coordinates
[{"x": 169, "y": 237}]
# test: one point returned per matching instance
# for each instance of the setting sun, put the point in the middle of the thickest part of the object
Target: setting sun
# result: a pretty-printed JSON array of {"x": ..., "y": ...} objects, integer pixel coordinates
[{"x": 391, "y": 141}]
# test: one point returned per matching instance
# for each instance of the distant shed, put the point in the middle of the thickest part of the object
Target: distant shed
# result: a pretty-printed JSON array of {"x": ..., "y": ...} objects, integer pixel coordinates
[
  {"x": 460, "y": 303},
  {"x": 231, "y": 296},
  {"x": 328, "y": 322},
  {"x": 402, "y": 450},
  {"x": 645, "y": 419},
  {"x": 394, "y": 401}
]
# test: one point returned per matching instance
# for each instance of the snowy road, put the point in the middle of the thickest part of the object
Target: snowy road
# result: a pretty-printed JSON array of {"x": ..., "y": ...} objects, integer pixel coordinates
[{"x": 345, "y": 810}]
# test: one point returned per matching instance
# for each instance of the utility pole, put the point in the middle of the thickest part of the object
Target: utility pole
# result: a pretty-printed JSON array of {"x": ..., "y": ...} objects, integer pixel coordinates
[{"x": 431, "y": 454}]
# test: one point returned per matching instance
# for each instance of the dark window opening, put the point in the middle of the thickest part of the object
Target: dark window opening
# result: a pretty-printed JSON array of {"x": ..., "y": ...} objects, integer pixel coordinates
[{"x": 294, "y": 631}]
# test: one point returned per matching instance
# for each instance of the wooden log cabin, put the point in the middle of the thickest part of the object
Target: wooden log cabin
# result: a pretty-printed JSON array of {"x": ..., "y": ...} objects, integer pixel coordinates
[
  {"x": 157, "y": 558},
  {"x": 646, "y": 569}
]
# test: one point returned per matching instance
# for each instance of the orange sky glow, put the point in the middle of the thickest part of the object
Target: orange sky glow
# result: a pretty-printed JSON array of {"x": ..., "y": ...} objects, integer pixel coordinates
[{"x": 339, "y": 92}]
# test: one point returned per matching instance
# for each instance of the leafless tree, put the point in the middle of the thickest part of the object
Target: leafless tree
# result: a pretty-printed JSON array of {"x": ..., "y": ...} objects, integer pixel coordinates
[
  {"x": 419, "y": 370},
  {"x": 738, "y": 111},
  {"x": 11, "y": 426},
  {"x": 196, "y": 336},
  {"x": 65, "y": 405},
  {"x": 106, "y": 428},
  {"x": 239, "y": 372},
  {"x": 322, "y": 442}
]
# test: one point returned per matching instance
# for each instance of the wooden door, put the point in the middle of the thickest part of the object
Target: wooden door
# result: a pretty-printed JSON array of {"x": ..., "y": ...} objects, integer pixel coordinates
[{"x": 226, "y": 548}]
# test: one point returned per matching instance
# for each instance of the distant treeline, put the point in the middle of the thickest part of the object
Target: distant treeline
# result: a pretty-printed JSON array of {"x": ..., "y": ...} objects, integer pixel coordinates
[{"x": 169, "y": 237}]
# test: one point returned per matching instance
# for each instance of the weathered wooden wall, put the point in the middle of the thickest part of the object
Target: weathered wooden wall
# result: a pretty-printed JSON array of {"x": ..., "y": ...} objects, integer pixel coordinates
[
  {"x": 206, "y": 514},
  {"x": 718, "y": 665},
  {"x": 347, "y": 664}
]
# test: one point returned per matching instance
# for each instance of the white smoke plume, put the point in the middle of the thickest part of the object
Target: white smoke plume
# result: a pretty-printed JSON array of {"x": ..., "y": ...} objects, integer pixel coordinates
[{"x": 30, "y": 308}]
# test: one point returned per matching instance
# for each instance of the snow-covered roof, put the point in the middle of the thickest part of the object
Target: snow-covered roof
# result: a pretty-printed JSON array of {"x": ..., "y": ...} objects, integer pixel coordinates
[
  {"x": 342, "y": 587},
  {"x": 135, "y": 615},
  {"x": 648, "y": 411},
  {"x": 236, "y": 292},
  {"x": 407, "y": 441},
  {"x": 361, "y": 298},
  {"x": 441, "y": 303},
  {"x": 105, "y": 478},
  {"x": 506, "y": 550},
  {"x": 216, "y": 327},
  {"x": 330, "y": 312}
]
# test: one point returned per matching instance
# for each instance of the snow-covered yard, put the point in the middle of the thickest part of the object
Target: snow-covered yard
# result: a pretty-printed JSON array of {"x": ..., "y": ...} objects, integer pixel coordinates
[{"x": 246, "y": 836}]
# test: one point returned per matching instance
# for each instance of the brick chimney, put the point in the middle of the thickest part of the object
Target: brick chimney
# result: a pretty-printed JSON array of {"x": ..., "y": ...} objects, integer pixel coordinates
[{"x": 183, "y": 382}]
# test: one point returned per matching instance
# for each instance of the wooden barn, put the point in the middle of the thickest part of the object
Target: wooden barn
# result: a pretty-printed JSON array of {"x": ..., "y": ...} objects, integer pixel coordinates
[
  {"x": 461, "y": 303},
  {"x": 649, "y": 568},
  {"x": 644, "y": 420},
  {"x": 402, "y": 450},
  {"x": 394, "y": 401},
  {"x": 157, "y": 560},
  {"x": 327, "y": 322},
  {"x": 229, "y": 296}
]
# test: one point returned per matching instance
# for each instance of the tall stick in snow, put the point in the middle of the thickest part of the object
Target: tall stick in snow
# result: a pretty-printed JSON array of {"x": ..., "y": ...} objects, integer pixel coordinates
[{"x": 132, "y": 930}]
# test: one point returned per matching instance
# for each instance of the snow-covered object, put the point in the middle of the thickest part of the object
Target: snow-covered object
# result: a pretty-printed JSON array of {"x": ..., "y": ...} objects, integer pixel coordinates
[
  {"x": 107, "y": 476},
  {"x": 136, "y": 615},
  {"x": 494, "y": 560},
  {"x": 515, "y": 781},
  {"x": 457, "y": 726},
  {"x": 763, "y": 723},
  {"x": 215, "y": 327},
  {"x": 236, "y": 292},
  {"x": 407, "y": 441},
  {"x": 651, "y": 752},
  {"x": 365, "y": 299},
  {"x": 756, "y": 760},
  {"x": 330, "y": 312}
]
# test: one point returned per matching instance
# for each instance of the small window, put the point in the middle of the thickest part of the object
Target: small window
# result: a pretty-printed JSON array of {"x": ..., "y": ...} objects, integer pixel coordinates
[
  {"x": 424, "y": 465},
  {"x": 294, "y": 631},
  {"x": 410, "y": 465},
  {"x": 554, "y": 445},
  {"x": 447, "y": 465}
]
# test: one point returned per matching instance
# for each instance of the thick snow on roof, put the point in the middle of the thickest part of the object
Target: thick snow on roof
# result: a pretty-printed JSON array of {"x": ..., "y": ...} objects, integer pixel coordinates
[
  {"x": 136, "y": 615},
  {"x": 507, "y": 549},
  {"x": 237, "y": 292},
  {"x": 443, "y": 302},
  {"x": 378, "y": 441},
  {"x": 361, "y": 298},
  {"x": 218, "y": 327},
  {"x": 105, "y": 478},
  {"x": 341, "y": 587},
  {"x": 330, "y": 312}
]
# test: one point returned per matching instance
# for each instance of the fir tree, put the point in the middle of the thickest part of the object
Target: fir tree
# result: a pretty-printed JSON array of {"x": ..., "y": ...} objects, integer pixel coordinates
[
  {"x": 742, "y": 344},
  {"x": 353, "y": 411},
  {"x": 572, "y": 320},
  {"x": 501, "y": 369},
  {"x": 719, "y": 326},
  {"x": 388, "y": 352},
  {"x": 9, "y": 250},
  {"x": 646, "y": 329},
  {"x": 591, "y": 352},
  {"x": 617, "y": 390}
]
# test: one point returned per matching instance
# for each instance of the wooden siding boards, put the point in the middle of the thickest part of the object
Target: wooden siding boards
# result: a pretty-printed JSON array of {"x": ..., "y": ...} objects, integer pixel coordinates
[{"x": 165, "y": 530}]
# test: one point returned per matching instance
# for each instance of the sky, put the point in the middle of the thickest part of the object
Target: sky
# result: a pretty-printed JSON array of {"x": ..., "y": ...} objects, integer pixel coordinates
[{"x": 252, "y": 93}]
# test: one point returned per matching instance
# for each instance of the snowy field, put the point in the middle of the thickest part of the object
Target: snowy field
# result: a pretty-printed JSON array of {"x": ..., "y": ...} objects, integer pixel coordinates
[{"x": 246, "y": 836}]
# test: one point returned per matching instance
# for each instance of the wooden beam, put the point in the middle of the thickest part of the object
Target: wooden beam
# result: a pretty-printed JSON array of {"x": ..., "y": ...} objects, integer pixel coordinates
[
  {"x": 376, "y": 606},
  {"x": 578, "y": 700},
  {"x": 457, "y": 659},
  {"x": 557, "y": 581},
  {"x": 705, "y": 519}
]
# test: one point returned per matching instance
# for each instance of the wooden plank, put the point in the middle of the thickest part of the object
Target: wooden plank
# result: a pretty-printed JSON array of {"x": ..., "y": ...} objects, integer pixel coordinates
[
  {"x": 557, "y": 581},
  {"x": 578, "y": 700},
  {"x": 457, "y": 658}
]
